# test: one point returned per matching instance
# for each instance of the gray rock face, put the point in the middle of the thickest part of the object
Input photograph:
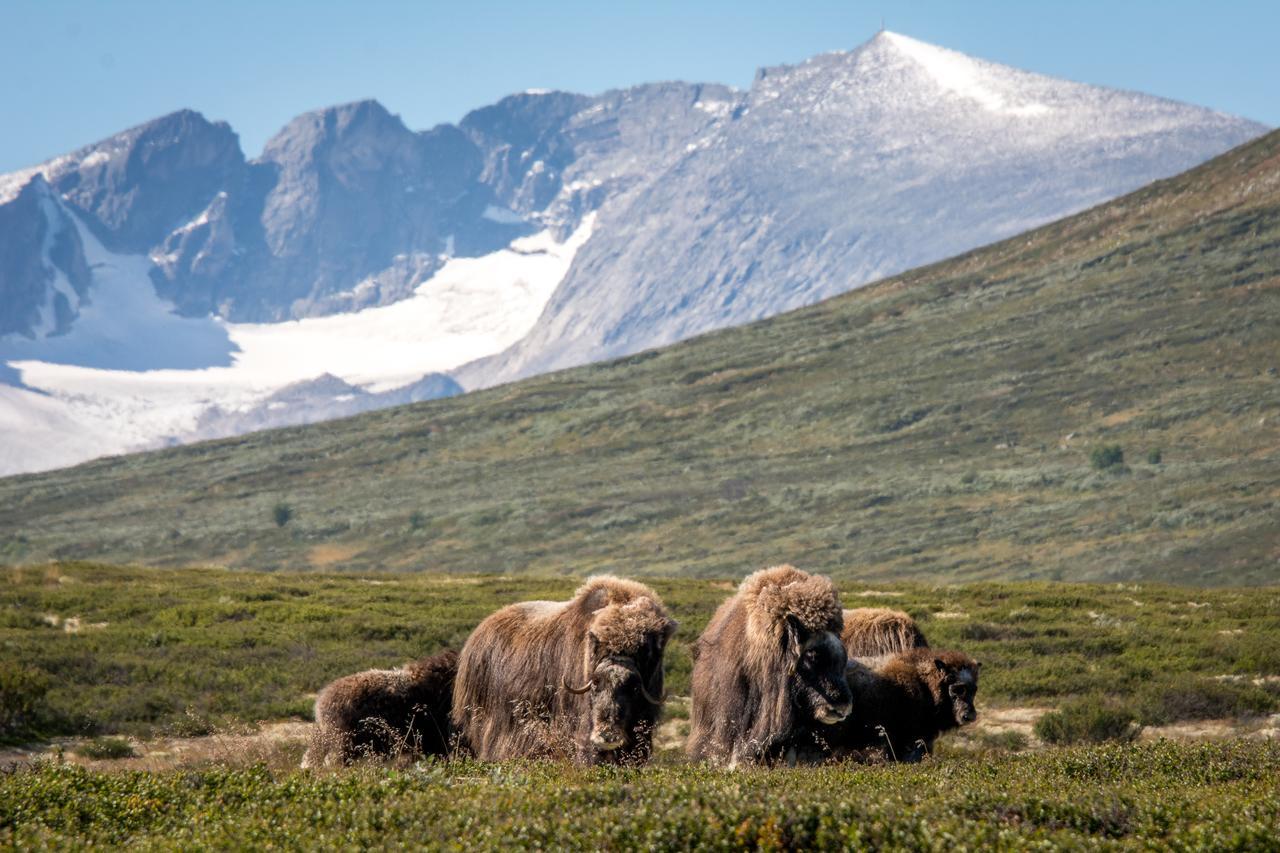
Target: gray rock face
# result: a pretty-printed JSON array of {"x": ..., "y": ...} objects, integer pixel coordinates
[
  {"x": 43, "y": 274},
  {"x": 134, "y": 187}
]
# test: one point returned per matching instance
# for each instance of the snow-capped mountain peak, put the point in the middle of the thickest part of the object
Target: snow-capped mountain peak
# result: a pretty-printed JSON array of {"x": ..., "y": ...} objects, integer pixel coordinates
[{"x": 993, "y": 87}]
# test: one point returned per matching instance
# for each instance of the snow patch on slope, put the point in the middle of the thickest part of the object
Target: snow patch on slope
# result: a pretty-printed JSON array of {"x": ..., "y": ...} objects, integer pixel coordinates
[
  {"x": 469, "y": 308},
  {"x": 964, "y": 76},
  {"x": 131, "y": 374}
]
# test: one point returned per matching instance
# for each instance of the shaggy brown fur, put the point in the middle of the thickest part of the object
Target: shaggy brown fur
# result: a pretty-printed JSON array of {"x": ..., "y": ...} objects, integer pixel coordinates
[
  {"x": 913, "y": 696},
  {"x": 511, "y": 700},
  {"x": 768, "y": 665},
  {"x": 874, "y": 631},
  {"x": 385, "y": 712}
]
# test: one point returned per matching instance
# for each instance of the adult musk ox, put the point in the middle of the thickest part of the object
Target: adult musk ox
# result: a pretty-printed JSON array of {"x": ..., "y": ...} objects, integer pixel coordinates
[
  {"x": 875, "y": 631},
  {"x": 580, "y": 679},
  {"x": 902, "y": 703},
  {"x": 768, "y": 668},
  {"x": 385, "y": 712}
]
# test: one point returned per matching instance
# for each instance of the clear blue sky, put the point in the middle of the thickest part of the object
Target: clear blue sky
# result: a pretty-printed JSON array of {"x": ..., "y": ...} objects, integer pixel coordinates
[{"x": 74, "y": 72}]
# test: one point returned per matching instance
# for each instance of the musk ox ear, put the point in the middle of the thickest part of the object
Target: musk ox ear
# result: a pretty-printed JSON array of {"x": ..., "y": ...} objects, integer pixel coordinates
[
  {"x": 668, "y": 631},
  {"x": 940, "y": 664},
  {"x": 593, "y": 645}
]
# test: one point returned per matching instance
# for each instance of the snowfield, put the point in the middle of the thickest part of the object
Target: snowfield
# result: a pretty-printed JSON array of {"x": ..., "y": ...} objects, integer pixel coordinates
[{"x": 131, "y": 374}]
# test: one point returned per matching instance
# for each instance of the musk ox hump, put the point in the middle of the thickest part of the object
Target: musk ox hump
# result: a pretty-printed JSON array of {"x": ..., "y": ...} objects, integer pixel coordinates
[
  {"x": 875, "y": 631},
  {"x": 770, "y": 596},
  {"x": 625, "y": 629},
  {"x": 599, "y": 591}
]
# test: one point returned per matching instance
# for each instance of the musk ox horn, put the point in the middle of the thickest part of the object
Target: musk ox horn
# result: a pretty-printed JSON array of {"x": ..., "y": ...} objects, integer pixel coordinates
[
  {"x": 578, "y": 691},
  {"x": 644, "y": 689}
]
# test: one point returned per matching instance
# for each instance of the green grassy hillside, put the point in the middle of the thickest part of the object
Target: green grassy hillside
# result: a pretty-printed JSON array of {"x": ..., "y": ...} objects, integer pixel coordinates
[{"x": 939, "y": 425}]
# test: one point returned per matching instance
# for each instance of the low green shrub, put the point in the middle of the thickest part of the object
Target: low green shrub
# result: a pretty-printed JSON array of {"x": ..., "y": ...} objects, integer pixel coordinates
[
  {"x": 1202, "y": 699},
  {"x": 1162, "y": 795},
  {"x": 1088, "y": 719},
  {"x": 106, "y": 748},
  {"x": 23, "y": 711},
  {"x": 1107, "y": 456},
  {"x": 1008, "y": 741}
]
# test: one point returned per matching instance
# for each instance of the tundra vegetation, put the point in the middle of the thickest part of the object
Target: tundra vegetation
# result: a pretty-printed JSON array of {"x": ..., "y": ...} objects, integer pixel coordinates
[{"x": 1165, "y": 795}]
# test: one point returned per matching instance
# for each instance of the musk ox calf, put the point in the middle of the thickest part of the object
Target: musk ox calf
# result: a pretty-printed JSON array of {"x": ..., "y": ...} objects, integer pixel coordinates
[
  {"x": 768, "y": 669},
  {"x": 385, "y": 712},
  {"x": 875, "y": 631},
  {"x": 902, "y": 703},
  {"x": 580, "y": 679}
]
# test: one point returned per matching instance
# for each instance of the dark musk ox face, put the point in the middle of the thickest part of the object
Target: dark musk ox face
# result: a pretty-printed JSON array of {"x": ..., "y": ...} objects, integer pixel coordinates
[
  {"x": 819, "y": 689},
  {"x": 626, "y": 694},
  {"x": 960, "y": 687}
]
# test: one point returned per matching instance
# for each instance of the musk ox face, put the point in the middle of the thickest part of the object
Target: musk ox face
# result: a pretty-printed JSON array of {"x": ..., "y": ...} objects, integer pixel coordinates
[
  {"x": 622, "y": 698},
  {"x": 819, "y": 689},
  {"x": 960, "y": 686}
]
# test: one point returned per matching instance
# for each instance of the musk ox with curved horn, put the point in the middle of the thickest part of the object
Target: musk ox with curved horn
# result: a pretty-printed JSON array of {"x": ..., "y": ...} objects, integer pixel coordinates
[
  {"x": 385, "y": 712},
  {"x": 769, "y": 667},
  {"x": 874, "y": 631},
  {"x": 580, "y": 679}
]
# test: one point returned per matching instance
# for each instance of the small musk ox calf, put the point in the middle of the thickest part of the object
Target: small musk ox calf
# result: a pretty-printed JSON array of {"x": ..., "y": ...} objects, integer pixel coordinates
[
  {"x": 580, "y": 679},
  {"x": 901, "y": 703},
  {"x": 385, "y": 712},
  {"x": 769, "y": 667},
  {"x": 874, "y": 631}
]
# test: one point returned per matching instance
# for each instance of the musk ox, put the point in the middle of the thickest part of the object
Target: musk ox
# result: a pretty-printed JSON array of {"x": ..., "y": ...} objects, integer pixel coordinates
[
  {"x": 580, "y": 679},
  {"x": 768, "y": 668},
  {"x": 385, "y": 712},
  {"x": 902, "y": 703},
  {"x": 875, "y": 631}
]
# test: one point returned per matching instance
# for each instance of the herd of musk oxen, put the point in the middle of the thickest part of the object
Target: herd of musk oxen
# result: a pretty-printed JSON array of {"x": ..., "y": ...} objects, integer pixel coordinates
[{"x": 781, "y": 675}]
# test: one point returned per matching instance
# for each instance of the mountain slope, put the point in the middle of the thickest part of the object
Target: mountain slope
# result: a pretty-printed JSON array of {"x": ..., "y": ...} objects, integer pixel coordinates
[
  {"x": 936, "y": 425},
  {"x": 847, "y": 168}
]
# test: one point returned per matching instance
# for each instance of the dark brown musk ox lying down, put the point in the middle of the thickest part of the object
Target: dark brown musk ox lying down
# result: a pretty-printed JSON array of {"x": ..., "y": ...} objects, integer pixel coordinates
[
  {"x": 768, "y": 669},
  {"x": 580, "y": 679},
  {"x": 901, "y": 704},
  {"x": 385, "y": 713}
]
